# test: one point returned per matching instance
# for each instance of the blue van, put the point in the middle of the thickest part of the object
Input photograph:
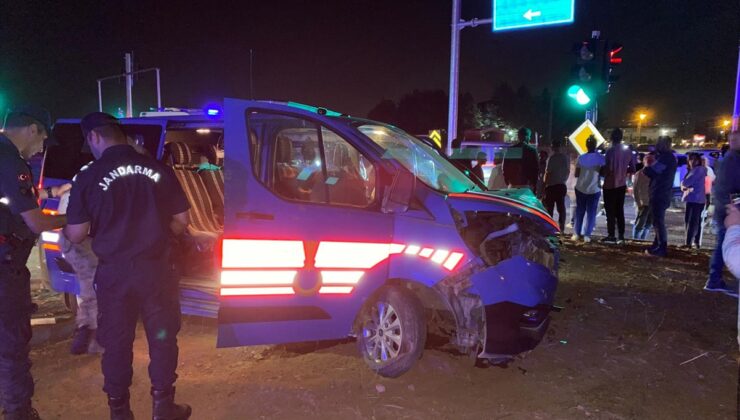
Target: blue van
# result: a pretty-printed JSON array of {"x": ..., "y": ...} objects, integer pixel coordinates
[{"x": 322, "y": 226}]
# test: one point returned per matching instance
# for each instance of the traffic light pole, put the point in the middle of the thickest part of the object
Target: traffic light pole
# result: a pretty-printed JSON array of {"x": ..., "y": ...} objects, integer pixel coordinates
[
  {"x": 592, "y": 114},
  {"x": 457, "y": 25}
]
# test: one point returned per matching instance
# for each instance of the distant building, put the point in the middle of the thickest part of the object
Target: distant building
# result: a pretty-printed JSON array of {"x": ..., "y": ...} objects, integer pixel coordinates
[{"x": 648, "y": 133}]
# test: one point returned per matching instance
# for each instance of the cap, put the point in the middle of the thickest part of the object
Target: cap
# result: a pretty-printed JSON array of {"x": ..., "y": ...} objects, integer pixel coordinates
[
  {"x": 96, "y": 119},
  {"x": 37, "y": 113}
]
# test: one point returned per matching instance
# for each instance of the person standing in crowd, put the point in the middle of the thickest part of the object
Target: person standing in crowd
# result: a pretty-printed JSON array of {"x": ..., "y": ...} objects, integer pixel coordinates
[
  {"x": 695, "y": 198},
  {"x": 520, "y": 162},
  {"x": 619, "y": 165},
  {"x": 641, "y": 192},
  {"x": 556, "y": 175},
  {"x": 726, "y": 184},
  {"x": 541, "y": 169},
  {"x": 496, "y": 181},
  {"x": 588, "y": 190},
  {"x": 480, "y": 159},
  {"x": 21, "y": 221},
  {"x": 708, "y": 182},
  {"x": 132, "y": 218},
  {"x": 731, "y": 244},
  {"x": 84, "y": 262},
  {"x": 661, "y": 172}
]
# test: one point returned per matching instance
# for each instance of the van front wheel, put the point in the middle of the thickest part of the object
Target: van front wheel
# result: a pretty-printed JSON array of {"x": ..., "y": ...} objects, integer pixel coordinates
[{"x": 392, "y": 332}]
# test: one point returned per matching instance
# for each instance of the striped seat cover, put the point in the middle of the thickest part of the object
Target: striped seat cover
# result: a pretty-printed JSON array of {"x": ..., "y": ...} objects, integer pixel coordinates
[{"x": 184, "y": 161}]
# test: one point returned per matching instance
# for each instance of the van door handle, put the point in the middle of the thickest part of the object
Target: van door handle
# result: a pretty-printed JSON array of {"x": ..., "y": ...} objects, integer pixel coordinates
[{"x": 254, "y": 215}]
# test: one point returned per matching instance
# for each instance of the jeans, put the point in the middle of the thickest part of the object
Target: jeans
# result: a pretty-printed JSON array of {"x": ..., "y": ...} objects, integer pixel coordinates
[
  {"x": 661, "y": 233},
  {"x": 692, "y": 218},
  {"x": 125, "y": 291},
  {"x": 588, "y": 205},
  {"x": 555, "y": 195},
  {"x": 643, "y": 223},
  {"x": 717, "y": 263},
  {"x": 16, "y": 383},
  {"x": 614, "y": 207}
]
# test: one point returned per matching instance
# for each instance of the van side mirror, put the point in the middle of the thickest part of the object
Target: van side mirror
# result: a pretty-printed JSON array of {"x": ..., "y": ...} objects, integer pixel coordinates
[{"x": 397, "y": 196}]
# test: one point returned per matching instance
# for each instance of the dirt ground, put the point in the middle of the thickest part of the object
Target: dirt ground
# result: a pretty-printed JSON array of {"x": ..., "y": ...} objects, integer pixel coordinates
[{"x": 621, "y": 349}]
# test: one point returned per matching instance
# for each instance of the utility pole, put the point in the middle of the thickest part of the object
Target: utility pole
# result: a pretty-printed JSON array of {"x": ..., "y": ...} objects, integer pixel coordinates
[
  {"x": 129, "y": 61},
  {"x": 457, "y": 25}
]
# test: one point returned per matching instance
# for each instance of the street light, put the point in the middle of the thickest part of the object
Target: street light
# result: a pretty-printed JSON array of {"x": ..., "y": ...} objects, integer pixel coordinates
[{"x": 641, "y": 118}]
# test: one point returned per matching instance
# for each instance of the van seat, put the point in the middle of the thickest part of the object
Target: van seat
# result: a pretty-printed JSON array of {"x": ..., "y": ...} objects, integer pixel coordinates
[
  {"x": 185, "y": 161},
  {"x": 214, "y": 182}
]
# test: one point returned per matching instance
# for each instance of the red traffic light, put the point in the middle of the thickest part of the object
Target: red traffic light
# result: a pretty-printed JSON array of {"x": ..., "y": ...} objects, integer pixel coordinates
[{"x": 613, "y": 59}]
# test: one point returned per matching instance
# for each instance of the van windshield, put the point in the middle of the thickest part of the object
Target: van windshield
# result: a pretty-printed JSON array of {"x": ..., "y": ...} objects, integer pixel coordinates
[{"x": 423, "y": 161}]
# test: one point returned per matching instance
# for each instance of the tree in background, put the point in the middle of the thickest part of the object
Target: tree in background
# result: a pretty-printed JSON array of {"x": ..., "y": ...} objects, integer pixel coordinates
[{"x": 420, "y": 111}]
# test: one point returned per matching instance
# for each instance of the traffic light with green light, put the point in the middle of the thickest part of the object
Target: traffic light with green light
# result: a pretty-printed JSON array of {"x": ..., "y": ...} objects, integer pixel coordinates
[{"x": 580, "y": 95}]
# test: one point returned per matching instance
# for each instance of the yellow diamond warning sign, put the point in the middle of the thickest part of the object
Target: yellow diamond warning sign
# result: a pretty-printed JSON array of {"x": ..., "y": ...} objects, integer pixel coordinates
[
  {"x": 436, "y": 136},
  {"x": 582, "y": 133}
]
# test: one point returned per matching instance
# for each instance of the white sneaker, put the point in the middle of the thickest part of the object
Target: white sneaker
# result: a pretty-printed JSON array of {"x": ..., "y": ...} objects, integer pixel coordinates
[
  {"x": 574, "y": 238},
  {"x": 586, "y": 239}
]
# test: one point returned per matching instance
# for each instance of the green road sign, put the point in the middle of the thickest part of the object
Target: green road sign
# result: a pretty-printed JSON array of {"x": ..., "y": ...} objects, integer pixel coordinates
[{"x": 521, "y": 14}]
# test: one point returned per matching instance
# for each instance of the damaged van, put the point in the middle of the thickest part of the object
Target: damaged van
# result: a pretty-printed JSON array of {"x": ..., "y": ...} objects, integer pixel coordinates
[{"x": 307, "y": 225}]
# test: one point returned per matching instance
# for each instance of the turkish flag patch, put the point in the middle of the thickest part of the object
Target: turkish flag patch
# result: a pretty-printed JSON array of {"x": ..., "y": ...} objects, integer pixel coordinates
[{"x": 23, "y": 177}]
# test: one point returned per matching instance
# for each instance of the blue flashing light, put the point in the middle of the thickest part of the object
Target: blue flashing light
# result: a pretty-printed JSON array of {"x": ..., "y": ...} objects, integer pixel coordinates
[{"x": 213, "y": 110}]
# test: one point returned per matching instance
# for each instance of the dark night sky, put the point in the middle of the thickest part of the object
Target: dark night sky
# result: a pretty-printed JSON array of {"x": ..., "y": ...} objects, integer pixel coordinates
[{"x": 679, "y": 55}]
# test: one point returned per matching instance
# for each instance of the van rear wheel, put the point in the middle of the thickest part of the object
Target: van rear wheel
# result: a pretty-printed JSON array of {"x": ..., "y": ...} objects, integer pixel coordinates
[{"x": 392, "y": 332}]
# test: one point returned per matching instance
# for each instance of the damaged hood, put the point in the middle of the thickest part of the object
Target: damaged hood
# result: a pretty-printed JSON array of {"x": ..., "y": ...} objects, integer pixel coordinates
[{"x": 521, "y": 201}]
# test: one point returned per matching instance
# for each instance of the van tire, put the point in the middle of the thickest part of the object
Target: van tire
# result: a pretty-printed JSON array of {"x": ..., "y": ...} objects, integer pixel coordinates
[{"x": 400, "y": 305}]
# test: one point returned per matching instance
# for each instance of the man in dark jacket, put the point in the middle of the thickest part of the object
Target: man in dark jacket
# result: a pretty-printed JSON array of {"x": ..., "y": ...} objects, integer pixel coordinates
[
  {"x": 726, "y": 184},
  {"x": 661, "y": 173},
  {"x": 521, "y": 166}
]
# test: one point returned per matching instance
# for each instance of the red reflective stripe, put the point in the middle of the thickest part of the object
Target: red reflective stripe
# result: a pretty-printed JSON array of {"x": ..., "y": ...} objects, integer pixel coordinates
[
  {"x": 440, "y": 256},
  {"x": 397, "y": 248},
  {"x": 426, "y": 252},
  {"x": 413, "y": 249},
  {"x": 353, "y": 254},
  {"x": 256, "y": 291},
  {"x": 257, "y": 253},
  {"x": 257, "y": 278},
  {"x": 341, "y": 277},
  {"x": 335, "y": 290},
  {"x": 453, "y": 260}
]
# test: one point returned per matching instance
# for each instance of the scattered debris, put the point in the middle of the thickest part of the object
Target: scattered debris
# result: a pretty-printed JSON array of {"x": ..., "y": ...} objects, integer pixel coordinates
[
  {"x": 694, "y": 358},
  {"x": 411, "y": 387},
  {"x": 603, "y": 303},
  {"x": 380, "y": 388}
]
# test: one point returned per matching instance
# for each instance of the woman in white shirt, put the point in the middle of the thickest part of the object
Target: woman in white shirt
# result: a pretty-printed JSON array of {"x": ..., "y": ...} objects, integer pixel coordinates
[{"x": 588, "y": 190}]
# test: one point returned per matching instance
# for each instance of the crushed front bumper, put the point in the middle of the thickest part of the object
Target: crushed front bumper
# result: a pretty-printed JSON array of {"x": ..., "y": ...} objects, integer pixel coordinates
[{"x": 517, "y": 297}]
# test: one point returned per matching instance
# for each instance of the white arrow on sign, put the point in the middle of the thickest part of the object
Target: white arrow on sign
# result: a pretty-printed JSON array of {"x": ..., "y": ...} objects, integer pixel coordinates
[{"x": 530, "y": 14}]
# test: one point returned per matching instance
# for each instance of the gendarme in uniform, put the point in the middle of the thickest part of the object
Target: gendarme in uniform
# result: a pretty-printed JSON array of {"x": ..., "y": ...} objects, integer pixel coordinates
[
  {"x": 17, "y": 195},
  {"x": 129, "y": 200}
]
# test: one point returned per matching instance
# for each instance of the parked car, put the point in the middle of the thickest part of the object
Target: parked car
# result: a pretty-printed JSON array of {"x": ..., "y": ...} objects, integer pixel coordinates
[{"x": 326, "y": 226}]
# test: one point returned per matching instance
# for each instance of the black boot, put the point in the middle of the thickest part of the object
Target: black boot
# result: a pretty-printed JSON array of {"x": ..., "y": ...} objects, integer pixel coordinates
[
  {"x": 27, "y": 413},
  {"x": 120, "y": 408},
  {"x": 164, "y": 407}
]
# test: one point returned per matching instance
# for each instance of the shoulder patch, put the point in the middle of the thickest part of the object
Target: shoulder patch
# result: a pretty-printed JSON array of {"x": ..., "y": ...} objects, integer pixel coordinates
[{"x": 23, "y": 177}]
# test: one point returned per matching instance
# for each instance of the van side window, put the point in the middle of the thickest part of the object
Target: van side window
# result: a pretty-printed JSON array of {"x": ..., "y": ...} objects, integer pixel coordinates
[
  {"x": 350, "y": 176},
  {"x": 305, "y": 162}
]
